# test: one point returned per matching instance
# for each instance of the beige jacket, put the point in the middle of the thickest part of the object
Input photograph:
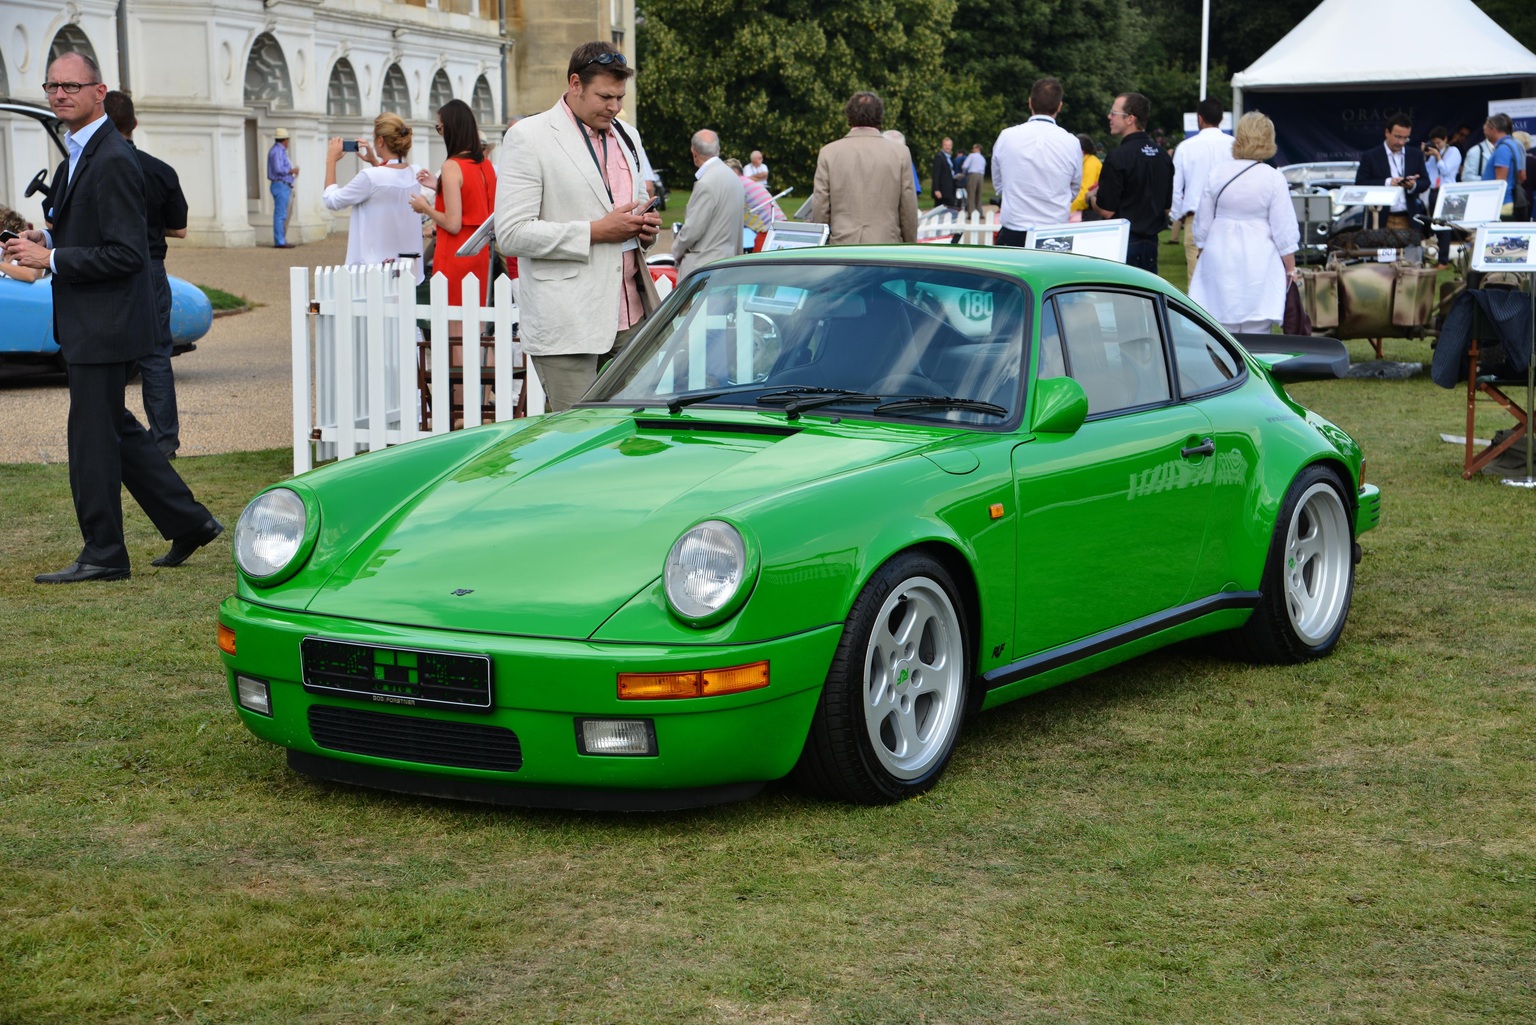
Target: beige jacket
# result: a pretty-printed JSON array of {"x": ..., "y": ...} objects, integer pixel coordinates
[
  {"x": 548, "y": 191},
  {"x": 864, "y": 189}
]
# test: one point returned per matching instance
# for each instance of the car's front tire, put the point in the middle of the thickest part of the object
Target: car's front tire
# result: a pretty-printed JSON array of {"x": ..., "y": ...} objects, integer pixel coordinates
[
  {"x": 895, "y": 696},
  {"x": 1309, "y": 577}
]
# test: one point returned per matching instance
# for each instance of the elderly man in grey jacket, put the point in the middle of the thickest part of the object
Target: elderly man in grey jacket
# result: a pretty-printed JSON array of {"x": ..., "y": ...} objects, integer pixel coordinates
[{"x": 715, "y": 210}]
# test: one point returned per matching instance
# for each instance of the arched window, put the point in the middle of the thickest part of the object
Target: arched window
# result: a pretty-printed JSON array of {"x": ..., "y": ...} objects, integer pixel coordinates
[
  {"x": 71, "y": 39},
  {"x": 266, "y": 74},
  {"x": 482, "y": 104},
  {"x": 442, "y": 91},
  {"x": 342, "y": 98},
  {"x": 397, "y": 95}
]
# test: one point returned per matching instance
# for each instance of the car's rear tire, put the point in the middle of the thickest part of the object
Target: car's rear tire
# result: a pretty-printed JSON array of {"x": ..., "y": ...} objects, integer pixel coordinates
[
  {"x": 896, "y": 693},
  {"x": 1309, "y": 575}
]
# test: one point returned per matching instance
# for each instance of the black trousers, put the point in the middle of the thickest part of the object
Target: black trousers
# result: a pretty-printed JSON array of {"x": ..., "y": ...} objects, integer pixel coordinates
[{"x": 108, "y": 450}]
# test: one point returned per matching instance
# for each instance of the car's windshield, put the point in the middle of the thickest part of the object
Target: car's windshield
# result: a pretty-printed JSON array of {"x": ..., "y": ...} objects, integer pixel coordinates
[{"x": 843, "y": 339}]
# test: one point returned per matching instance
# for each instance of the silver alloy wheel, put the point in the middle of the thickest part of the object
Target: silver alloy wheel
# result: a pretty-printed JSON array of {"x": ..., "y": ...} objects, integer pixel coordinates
[
  {"x": 1317, "y": 564},
  {"x": 914, "y": 678}
]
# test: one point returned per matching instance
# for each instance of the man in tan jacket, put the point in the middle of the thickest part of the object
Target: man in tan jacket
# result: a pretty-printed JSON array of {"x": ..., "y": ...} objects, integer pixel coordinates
[{"x": 864, "y": 181}]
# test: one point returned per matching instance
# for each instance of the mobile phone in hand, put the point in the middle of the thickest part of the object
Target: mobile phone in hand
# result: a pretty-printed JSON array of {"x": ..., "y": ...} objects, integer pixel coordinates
[
  {"x": 349, "y": 145},
  {"x": 7, "y": 235},
  {"x": 647, "y": 208}
]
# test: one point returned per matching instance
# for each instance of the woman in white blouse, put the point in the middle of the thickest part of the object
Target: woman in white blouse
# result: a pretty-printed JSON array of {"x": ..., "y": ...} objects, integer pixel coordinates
[
  {"x": 384, "y": 227},
  {"x": 1246, "y": 231}
]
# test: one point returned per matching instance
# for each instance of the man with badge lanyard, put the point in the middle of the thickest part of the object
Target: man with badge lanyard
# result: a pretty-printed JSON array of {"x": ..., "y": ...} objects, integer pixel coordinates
[{"x": 571, "y": 204}]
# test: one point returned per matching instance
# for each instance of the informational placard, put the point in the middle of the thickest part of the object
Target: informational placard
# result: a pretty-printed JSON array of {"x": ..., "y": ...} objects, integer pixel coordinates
[
  {"x": 478, "y": 239},
  {"x": 1506, "y": 246},
  {"x": 1522, "y": 112},
  {"x": 1107, "y": 240},
  {"x": 1370, "y": 195},
  {"x": 796, "y": 235},
  {"x": 1467, "y": 204}
]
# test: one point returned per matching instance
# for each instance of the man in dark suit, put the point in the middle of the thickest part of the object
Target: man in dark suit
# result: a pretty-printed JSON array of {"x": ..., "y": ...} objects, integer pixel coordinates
[
  {"x": 1396, "y": 163},
  {"x": 166, "y": 210},
  {"x": 944, "y": 176},
  {"x": 104, "y": 319}
]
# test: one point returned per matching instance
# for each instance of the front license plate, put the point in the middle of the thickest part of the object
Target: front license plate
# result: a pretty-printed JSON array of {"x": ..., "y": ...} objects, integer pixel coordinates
[{"x": 397, "y": 676}]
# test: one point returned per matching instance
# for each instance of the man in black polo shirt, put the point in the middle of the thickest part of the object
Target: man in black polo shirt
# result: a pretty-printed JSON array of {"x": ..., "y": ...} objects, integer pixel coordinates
[
  {"x": 166, "y": 210},
  {"x": 1137, "y": 180}
]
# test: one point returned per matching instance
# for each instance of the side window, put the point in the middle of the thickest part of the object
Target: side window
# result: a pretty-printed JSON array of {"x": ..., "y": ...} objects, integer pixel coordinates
[
  {"x": 1051, "y": 362},
  {"x": 1114, "y": 349},
  {"x": 1204, "y": 362}
]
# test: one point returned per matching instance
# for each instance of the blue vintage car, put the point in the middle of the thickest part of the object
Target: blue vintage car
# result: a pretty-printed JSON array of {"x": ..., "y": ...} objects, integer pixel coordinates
[{"x": 26, "y": 309}]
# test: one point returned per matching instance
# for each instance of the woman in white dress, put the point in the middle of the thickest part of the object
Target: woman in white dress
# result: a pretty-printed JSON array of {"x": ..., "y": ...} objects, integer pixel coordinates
[
  {"x": 1246, "y": 231},
  {"x": 384, "y": 227}
]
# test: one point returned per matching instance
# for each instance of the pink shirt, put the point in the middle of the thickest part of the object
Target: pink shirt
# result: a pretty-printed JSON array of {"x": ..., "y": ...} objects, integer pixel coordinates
[{"x": 620, "y": 182}]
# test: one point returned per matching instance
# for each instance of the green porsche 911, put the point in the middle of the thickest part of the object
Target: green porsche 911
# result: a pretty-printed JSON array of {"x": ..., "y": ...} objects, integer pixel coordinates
[{"x": 827, "y": 504}]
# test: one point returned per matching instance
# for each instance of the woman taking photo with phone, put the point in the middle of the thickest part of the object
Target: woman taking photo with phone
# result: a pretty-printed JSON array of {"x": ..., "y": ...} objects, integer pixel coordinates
[
  {"x": 466, "y": 196},
  {"x": 383, "y": 226}
]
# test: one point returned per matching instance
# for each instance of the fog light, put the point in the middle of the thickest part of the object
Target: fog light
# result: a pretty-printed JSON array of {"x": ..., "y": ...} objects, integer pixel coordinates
[
  {"x": 615, "y": 736},
  {"x": 253, "y": 695}
]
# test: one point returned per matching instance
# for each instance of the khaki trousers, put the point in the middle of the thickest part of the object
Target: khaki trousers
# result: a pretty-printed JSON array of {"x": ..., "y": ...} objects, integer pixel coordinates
[
  {"x": 566, "y": 378},
  {"x": 1191, "y": 254}
]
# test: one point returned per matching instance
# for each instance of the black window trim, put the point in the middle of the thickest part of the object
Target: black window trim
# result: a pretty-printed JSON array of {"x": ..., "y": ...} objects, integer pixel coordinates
[
  {"x": 1162, "y": 325},
  {"x": 1219, "y": 334}
]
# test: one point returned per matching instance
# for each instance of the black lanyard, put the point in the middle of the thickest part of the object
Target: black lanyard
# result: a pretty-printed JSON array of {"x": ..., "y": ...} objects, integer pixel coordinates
[{"x": 602, "y": 171}]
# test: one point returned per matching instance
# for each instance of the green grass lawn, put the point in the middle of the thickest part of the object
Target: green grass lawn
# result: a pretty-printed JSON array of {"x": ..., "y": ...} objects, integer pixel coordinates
[{"x": 1182, "y": 839}]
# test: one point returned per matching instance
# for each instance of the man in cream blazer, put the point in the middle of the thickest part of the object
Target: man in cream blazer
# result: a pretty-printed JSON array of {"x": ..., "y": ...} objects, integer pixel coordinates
[
  {"x": 569, "y": 202},
  {"x": 716, "y": 210}
]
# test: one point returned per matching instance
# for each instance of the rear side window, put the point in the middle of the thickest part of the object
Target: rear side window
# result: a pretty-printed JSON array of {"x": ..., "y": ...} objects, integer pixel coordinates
[{"x": 1204, "y": 362}]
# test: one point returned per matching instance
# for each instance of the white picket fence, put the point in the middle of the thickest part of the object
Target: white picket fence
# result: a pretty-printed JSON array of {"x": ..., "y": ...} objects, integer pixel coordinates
[
  {"x": 355, "y": 359},
  {"x": 976, "y": 228}
]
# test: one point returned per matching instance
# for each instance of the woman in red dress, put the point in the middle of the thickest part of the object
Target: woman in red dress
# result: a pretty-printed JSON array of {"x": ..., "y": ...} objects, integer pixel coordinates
[{"x": 466, "y": 196}]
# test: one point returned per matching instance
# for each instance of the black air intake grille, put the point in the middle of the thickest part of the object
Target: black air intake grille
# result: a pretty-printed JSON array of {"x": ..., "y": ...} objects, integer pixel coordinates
[{"x": 410, "y": 739}]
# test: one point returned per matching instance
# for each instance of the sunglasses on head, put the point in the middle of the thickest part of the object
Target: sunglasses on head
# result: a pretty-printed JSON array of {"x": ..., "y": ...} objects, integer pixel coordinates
[{"x": 605, "y": 59}]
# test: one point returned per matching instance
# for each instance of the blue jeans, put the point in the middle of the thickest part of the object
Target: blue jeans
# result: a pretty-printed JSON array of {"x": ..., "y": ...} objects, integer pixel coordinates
[{"x": 281, "y": 193}]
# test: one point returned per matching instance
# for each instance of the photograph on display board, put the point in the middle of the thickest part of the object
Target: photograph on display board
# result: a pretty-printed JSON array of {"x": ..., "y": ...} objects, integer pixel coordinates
[
  {"x": 1504, "y": 247},
  {"x": 1107, "y": 240},
  {"x": 1469, "y": 202}
]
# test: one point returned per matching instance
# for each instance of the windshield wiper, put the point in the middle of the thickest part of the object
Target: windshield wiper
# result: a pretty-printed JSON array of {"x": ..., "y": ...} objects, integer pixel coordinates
[
  {"x": 941, "y": 402},
  {"x": 676, "y": 403},
  {"x": 797, "y": 400}
]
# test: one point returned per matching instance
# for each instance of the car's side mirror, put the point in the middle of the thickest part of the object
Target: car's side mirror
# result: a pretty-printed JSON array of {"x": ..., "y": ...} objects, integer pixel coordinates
[{"x": 1061, "y": 406}]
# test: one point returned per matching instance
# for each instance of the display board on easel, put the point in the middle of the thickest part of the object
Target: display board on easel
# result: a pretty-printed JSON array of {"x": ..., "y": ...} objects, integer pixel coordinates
[{"x": 1107, "y": 240}]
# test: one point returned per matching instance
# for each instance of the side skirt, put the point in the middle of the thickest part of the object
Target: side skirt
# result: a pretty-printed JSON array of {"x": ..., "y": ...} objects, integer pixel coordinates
[{"x": 1122, "y": 637}]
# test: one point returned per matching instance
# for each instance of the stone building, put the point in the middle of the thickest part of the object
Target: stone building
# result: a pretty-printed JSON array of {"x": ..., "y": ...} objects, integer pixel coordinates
[{"x": 213, "y": 80}]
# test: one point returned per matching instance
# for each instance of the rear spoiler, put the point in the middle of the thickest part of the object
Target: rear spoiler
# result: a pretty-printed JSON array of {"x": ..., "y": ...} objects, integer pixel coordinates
[{"x": 1298, "y": 357}]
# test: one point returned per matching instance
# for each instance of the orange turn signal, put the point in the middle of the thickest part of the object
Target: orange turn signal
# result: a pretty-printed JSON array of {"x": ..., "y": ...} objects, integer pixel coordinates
[
  {"x": 996, "y": 510},
  {"x": 226, "y": 640},
  {"x": 702, "y": 683}
]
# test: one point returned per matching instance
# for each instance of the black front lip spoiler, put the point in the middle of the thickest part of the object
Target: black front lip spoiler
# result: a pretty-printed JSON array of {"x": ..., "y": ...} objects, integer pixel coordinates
[
  {"x": 1066, "y": 654},
  {"x": 562, "y": 798}
]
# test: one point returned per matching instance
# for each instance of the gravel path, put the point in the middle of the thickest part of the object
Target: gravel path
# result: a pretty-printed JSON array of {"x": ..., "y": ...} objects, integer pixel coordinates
[{"x": 233, "y": 393}]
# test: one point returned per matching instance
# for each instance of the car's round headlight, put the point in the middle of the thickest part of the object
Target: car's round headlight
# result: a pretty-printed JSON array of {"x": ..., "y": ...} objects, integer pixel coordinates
[
  {"x": 270, "y": 532},
  {"x": 705, "y": 569}
]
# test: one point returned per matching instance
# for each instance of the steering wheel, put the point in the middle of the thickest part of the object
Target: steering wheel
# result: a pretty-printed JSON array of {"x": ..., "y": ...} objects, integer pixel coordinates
[{"x": 39, "y": 183}]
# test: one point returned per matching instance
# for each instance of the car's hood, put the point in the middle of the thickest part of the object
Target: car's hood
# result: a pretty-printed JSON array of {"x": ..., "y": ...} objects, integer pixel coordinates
[{"x": 550, "y": 532}]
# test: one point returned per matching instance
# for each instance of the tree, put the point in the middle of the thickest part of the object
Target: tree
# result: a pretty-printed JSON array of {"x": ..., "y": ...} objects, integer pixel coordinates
[{"x": 774, "y": 75}]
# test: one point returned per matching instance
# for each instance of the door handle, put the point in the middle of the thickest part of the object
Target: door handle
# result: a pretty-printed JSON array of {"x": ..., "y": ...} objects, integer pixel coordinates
[{"x": 1205, "y": 448}]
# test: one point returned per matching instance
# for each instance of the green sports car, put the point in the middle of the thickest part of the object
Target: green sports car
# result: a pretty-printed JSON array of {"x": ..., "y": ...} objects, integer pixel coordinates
[{"x": 827, "y": 504}]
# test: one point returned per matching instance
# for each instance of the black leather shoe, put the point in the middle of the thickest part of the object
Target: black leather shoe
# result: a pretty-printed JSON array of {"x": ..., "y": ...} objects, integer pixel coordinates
[
  {"x": 80, "y": 572},
  {"x": 183, "y": 547}
]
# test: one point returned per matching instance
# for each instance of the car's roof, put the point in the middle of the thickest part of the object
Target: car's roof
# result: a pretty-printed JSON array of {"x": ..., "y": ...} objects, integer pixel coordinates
[{"x": 1037, "y": 268}]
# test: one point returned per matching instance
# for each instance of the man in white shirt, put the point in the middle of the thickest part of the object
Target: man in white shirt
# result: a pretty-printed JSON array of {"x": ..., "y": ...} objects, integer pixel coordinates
[
  {"x": 757, "y": 170},
  {"x": 1036, "y": 167},
  {"x": 1192, "y": 163},
  {"x": 975, "y": 173}
]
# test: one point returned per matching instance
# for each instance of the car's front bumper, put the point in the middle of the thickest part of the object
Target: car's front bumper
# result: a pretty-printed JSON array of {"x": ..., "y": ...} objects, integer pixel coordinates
[{"x": 707, "y": 749}]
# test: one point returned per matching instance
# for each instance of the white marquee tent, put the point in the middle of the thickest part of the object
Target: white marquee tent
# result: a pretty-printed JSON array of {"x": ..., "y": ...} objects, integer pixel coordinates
[
  {"x": 1335, "y": 80},
  {"x": 1368, "y": 44}
]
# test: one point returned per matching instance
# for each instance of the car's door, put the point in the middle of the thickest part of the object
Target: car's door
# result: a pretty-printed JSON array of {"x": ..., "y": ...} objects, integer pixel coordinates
[{"x": 1111, "y": 519}]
